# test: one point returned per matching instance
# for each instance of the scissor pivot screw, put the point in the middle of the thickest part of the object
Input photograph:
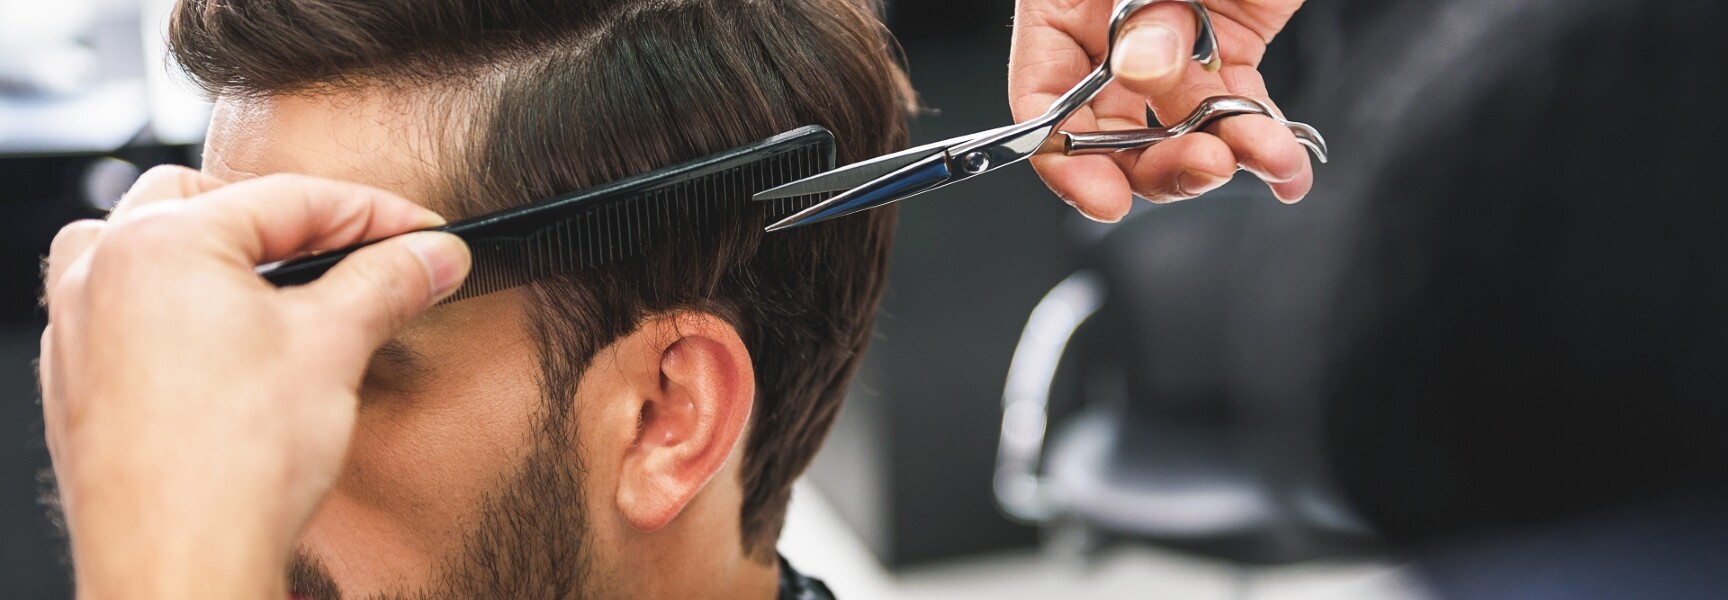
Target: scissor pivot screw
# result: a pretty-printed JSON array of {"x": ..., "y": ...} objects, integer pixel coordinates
[{"x": 975, "y": 162}]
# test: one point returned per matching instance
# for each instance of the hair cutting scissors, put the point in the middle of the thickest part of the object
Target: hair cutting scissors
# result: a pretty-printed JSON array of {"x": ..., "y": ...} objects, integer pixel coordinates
[{"x": 887, "y": 179}]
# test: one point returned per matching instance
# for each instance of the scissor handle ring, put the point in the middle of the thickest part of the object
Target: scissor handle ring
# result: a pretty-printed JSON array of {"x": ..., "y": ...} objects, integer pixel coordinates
[
  {"x": 1205, "y": 38},
  {"x": 1205, "y": 51}
]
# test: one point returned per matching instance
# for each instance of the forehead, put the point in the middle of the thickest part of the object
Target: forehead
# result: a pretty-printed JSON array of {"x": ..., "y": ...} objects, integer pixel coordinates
[{"x": 364, "y": 136}]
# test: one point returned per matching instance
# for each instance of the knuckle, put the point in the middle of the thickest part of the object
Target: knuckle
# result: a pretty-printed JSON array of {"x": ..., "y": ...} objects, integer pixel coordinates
[
  {"x": 70, "y": 285},
  {"x": 172, "y": 181},
  {"x": 75, "y": 231},
  {"x": 153, "y": 225},
  {"x": 301, "y": 185},
  {"x": 287, "y": 186},
  {"x": 187, "y": 182},
  {"x": 323, "y": 199},
  {"x": 49, "y": 296},
  {"x": 166, "y": 175}
]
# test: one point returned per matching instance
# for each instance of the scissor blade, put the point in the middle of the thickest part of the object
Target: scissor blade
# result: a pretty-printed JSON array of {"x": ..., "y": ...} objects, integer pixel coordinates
[
  {"x": 911, "y": 180},
  {"x": 862, "y": 172},
  {"x": 855, "y": 174}
]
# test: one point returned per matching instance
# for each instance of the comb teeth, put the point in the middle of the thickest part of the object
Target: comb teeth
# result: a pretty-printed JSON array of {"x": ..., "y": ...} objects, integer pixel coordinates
[
  {"x": 611, "y": 222},
  {"x": 618, "y": 228}
]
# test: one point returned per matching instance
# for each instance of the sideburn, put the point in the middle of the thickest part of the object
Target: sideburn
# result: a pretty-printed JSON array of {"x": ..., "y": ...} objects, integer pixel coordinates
[{"x": 530, "y": 541}]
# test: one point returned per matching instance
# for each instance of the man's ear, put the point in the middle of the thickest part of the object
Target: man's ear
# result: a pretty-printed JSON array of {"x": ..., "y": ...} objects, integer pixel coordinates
[{"x": 693, "y": 410}]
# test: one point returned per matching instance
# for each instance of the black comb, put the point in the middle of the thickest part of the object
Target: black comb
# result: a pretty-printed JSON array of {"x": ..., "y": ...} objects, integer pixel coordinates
[{"x": 602, "y": 224}]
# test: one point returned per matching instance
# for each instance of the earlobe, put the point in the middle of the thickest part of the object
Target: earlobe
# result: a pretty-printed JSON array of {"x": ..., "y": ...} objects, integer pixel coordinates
[{"x": 694, "y": 411}]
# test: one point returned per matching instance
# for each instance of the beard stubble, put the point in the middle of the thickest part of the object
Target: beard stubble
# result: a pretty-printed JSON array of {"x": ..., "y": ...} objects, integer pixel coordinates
[{"x": 529, "y": 542}]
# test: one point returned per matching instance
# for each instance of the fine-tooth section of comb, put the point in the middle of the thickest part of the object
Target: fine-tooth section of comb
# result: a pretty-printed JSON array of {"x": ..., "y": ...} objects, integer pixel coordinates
[{"x": 611, "y": 222}]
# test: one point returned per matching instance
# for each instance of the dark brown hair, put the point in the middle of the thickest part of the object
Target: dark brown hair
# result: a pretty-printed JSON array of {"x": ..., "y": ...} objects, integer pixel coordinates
[{"x": 544, "y": 97}]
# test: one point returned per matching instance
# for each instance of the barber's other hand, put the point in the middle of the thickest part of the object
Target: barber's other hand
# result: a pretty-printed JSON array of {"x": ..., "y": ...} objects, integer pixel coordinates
[
  {"x": 1055, "y": 45},
  {"x": 196, "y": 415}
]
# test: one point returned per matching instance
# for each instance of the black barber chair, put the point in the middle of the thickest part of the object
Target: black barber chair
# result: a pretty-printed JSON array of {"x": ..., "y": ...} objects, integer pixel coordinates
[{"x": 1156, "y": 444}]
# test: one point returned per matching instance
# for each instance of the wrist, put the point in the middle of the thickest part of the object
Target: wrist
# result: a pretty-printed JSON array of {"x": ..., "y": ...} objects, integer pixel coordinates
[{"x": 120, "y": 557}]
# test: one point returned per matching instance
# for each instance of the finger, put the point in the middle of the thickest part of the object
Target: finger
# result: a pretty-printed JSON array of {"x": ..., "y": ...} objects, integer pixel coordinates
[
  {"x": 1262, "y": 18},
  {"x": 380, "y": 288},
  {"x": 1293, "y": 191},
  {"x": 1054, "y": 46},
  {"x": 53, "y": 421},
  {"x": 277, "y": 217},
  {"x": 1193, "y": 165},
  {"x": 1265, "y": 147},
  {"x": 1262, "y": 145},
  {"x": 1092, "y": 184},
  {"x": 1196, "y": 85},
  {"x": 72, "y": 242},
  {"x": 164, "y": 182},
  {"x": 1182, "y": 168},
  {"x": 1270, "y": 151},
  {"x": 1155, "y": 47}
]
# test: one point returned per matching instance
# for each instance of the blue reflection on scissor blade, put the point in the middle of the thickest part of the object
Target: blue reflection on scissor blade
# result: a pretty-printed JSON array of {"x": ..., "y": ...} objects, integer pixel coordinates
[{"x": 926, "y": 175}]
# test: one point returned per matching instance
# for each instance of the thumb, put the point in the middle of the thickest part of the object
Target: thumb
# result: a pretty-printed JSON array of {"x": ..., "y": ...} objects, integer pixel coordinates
[
  {"x": 378, "y": 289},
  {"x": 1154, "y": 47}
]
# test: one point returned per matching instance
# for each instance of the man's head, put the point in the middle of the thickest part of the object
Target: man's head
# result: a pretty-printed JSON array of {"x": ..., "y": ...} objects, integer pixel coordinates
[{"x": 574, "y": 436}]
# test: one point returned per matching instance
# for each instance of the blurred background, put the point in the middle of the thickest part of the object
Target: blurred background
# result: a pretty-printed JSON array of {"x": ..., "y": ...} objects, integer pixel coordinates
[{"x": 1486, "y": 358}]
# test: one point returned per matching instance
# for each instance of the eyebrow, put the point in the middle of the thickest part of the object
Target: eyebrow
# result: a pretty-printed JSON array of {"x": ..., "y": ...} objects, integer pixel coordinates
[{"x": 401, "y": 356}]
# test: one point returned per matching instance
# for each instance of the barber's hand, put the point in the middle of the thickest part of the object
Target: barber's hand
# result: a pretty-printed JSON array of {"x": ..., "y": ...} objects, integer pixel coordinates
[
  {"x": 196, "y": 414},
  {"x": 1055, "y": 45}
]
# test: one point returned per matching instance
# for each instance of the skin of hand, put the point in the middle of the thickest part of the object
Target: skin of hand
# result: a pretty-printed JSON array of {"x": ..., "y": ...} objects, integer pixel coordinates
[
  {"x": 1058, "y": 42},
  {"x": 196, "y": 414}
]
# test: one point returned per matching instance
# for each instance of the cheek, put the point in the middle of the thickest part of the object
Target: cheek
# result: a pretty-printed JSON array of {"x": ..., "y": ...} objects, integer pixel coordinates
[{"x": 419, "y": 471}]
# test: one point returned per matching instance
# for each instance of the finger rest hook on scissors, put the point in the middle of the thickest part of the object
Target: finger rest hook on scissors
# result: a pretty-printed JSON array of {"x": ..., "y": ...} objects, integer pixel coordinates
[{"x": 1210, "y": 111}]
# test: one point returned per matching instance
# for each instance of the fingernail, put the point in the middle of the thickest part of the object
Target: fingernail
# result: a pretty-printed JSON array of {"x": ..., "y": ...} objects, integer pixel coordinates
[
  {"x": 1288, "y": 200},
  {"x": 1100, "y": 219},
  {"x": 444, "y": 257},
  {"x": 1147, "y": 52},
  {"x": 1197, "y": 183},
  {"x": 1082, "y": 210},
  {"x": 429, "y": 219},
  {"x": 1261, "y": 172}
]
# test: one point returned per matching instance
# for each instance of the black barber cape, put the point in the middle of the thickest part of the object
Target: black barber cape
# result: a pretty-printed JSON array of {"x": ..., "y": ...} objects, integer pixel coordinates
[{"x": 795, "y": 586}]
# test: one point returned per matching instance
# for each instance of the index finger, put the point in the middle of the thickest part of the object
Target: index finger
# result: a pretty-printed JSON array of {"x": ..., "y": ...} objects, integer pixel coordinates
[
  {"x": 277, "y": 217},
  {"x": 164, "y": 182},
  {"x": 1055, "y": 45},
  {"x": 68, "y": 245}
]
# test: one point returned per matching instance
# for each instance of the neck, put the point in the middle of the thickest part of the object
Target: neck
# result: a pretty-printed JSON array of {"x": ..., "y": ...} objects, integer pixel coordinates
[
  {"x": 707, "y": 571},
  {"x": 700, "y": 554}
]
